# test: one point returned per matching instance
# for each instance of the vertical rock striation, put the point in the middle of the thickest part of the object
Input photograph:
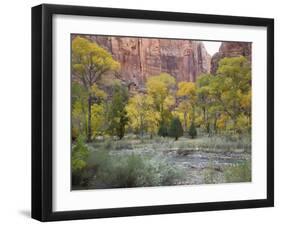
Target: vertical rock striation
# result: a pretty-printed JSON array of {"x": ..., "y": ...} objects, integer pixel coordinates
[{"x": 144, "y": 57}]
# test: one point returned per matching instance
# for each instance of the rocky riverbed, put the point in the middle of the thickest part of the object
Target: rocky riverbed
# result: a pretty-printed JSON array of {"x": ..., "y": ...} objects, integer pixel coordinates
[{"x": 199, "y": 166}]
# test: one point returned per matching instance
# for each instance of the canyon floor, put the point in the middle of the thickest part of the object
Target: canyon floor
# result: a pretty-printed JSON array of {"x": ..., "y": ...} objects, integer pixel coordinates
[{"x": 141, "y": 162}]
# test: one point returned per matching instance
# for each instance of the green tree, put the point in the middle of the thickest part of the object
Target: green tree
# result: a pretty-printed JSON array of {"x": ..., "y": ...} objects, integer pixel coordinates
[
  {"x": 192, "y": 130},
  {"x": 89, "y": 63},
  {"x": 118, "y": 117},
  {"x": 175, "y": 129},
  {"x": 163, "y": 130}
]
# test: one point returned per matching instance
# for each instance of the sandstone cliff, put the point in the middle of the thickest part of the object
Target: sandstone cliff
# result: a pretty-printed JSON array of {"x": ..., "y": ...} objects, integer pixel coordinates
[
  {"x": 143, "y": 57},
  {"x": 231, "y": 49}
]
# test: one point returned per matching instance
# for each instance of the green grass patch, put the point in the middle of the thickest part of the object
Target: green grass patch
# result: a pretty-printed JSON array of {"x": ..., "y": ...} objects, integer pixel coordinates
[{"x": 239, "y": 173}]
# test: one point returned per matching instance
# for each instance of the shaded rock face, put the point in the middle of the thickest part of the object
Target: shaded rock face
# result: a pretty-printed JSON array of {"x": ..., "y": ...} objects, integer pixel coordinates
[
  {"x": 144, "y": 57},
  {"x": 231, "y": 49}
]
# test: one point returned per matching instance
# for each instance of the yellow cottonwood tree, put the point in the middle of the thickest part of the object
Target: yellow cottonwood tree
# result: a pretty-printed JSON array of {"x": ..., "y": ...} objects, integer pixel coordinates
[
  {"x": 187, "y": 95},
  {"x": 159, "y": 89},
  {"x": 231, "y": 89},
  {"x": 98, "y": 119},
  {"x": 98, "y": 111},
  {"x": 205, "y": 101},
  {"x": 89, "y": 63},
  {"x": 142, "y": 116}
]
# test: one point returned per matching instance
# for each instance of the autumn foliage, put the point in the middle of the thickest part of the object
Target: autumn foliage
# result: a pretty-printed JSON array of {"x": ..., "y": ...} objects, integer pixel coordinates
[{"x": 219, "y": 103}]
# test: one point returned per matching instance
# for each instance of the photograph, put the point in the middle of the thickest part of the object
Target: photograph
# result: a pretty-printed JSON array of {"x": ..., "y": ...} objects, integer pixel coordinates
[
  {"x": 142, "y": 112},
  {"x": 152, "y": 111}
]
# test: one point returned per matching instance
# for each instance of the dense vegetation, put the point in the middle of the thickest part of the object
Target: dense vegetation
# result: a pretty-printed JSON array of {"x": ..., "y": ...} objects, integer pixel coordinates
[{"x": 104, "y": 108}]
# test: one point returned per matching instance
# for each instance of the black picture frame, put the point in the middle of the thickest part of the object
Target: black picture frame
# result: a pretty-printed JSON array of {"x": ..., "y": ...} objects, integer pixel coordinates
[{"x": 42, "y": 107}]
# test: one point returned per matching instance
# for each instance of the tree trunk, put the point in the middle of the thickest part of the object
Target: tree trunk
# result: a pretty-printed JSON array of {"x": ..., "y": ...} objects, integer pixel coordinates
[
  {"x": 215, "y": 125},
  {"x": 89, "y": 133},
  {"x": 185, "y": 118},
  {"x": 204, "y": 118},
  {"x": 141, "y": 127},
  {"x": 193, "y": 113}
]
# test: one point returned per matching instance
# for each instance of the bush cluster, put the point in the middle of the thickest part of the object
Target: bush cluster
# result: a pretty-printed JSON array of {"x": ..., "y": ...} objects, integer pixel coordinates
[{"x": 132, "y": 170}]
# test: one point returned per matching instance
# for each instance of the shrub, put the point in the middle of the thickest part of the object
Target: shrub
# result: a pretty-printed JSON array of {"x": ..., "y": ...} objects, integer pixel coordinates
[
  {"x": 175, "y": 129},
  {"x": 83, "y": 178},
  {"x": 133, "y": 170},
  {"x": 79, "y": 156},
  {"x": 210, "y": 176},
  {"x": 239, "y": 173},
  {"x": 163, "y": 130},
  {"x": 192, "y": 130},
  {"x": 213, "y": 174},
  {"x": 129, "y": 171}
]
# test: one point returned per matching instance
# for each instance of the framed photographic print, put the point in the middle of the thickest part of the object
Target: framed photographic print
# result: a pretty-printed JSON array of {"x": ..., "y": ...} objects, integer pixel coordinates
[{"x": 146, "y": 112}]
